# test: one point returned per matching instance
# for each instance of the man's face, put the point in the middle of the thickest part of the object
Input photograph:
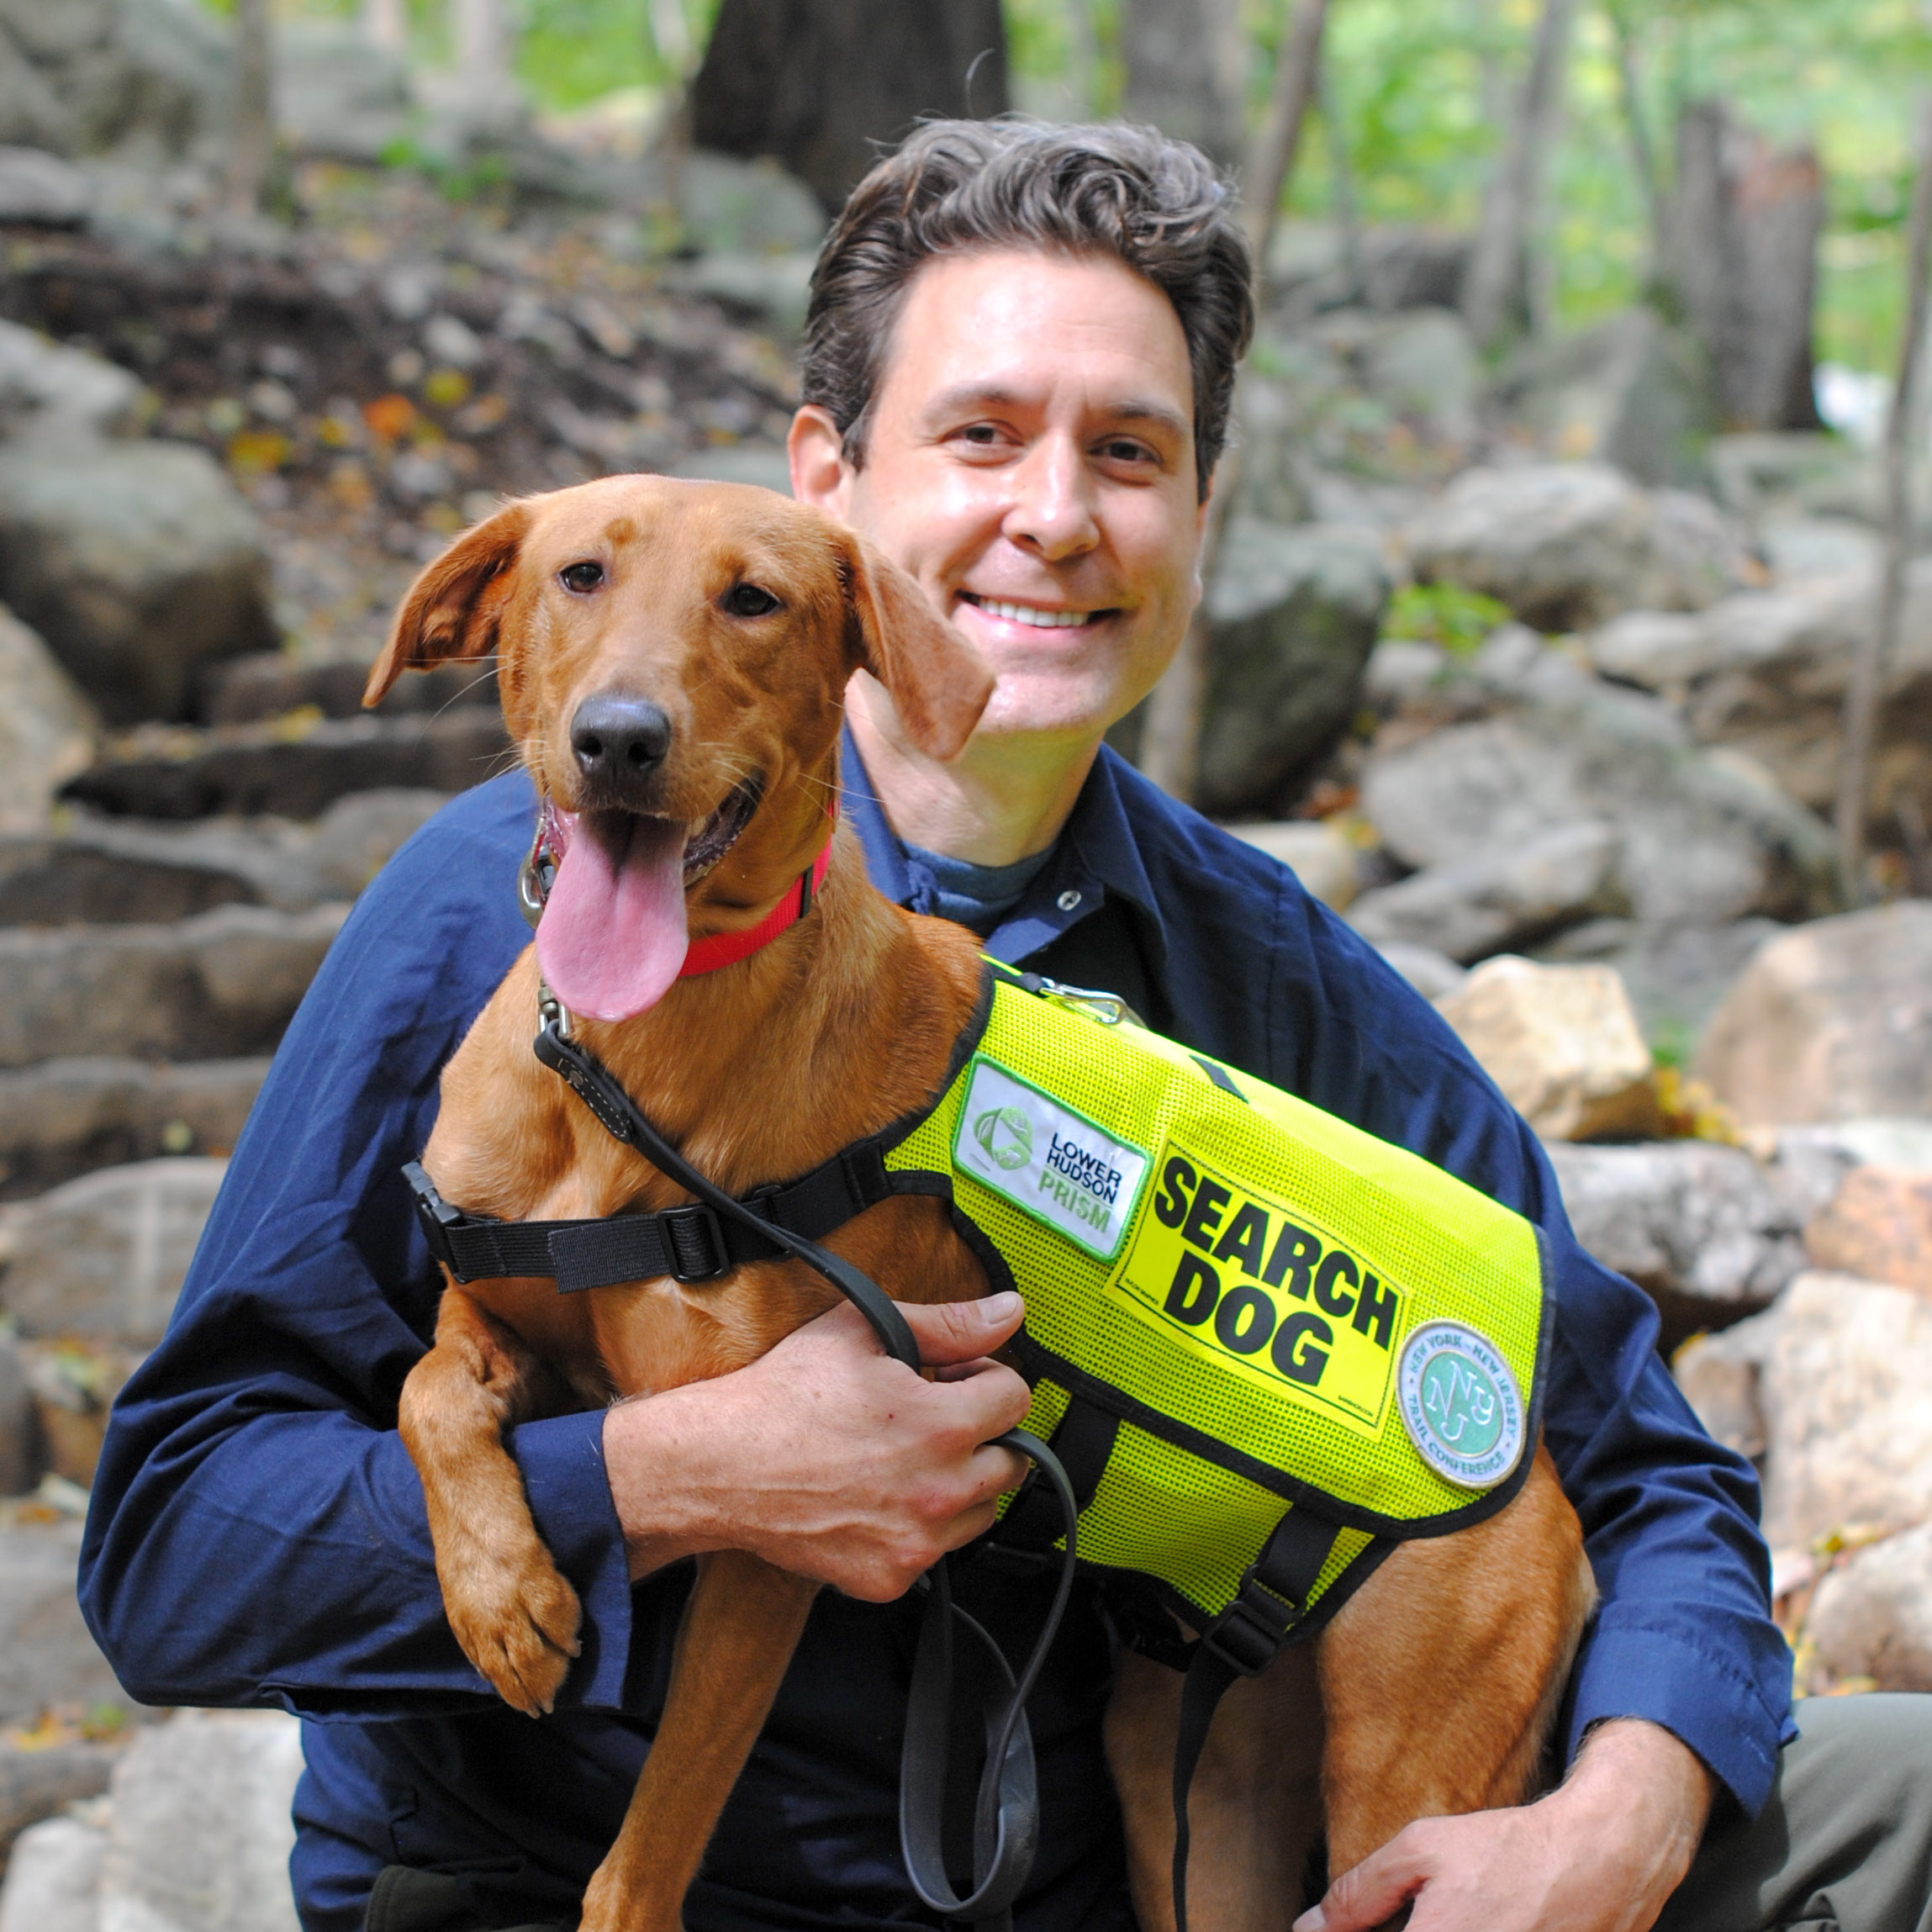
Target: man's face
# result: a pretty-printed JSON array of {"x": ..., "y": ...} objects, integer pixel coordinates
[{"x": 1031, "y": 462}]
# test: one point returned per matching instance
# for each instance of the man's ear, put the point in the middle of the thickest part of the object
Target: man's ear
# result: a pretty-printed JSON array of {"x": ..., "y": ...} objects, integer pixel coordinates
[
  {"x": 454, "y": 609},
  {"x": 939, "y": 684}
]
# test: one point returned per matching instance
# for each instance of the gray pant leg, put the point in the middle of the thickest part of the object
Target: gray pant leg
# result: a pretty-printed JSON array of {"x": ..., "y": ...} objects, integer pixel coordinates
[{"x": 1844, "y": 1843}]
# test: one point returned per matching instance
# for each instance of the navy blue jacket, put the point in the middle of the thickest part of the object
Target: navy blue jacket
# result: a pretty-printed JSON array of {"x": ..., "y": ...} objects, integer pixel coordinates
[{"x": 257, "y": 1534}]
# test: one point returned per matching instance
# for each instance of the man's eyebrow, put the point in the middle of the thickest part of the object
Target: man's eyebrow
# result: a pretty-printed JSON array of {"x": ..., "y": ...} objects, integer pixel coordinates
[{"x": 966, "y": 397}]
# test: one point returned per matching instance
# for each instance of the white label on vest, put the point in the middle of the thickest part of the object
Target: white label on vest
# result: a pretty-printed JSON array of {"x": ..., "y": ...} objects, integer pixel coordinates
[{"x": 1048, "y": 1160}]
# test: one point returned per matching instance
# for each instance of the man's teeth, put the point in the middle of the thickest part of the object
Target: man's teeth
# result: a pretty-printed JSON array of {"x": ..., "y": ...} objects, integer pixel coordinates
[{"x": 1031, "y": 614}]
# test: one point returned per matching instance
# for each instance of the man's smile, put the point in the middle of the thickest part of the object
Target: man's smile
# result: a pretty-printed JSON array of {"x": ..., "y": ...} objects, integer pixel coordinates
[{"x": 1038, "y": 616}]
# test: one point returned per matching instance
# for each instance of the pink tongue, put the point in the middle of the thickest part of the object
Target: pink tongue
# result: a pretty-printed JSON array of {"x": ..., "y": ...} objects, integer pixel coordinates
[{"x": 613, "y": 936}]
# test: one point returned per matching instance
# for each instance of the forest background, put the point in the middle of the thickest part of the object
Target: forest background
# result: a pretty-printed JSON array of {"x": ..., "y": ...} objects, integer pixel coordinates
[{"x": 1413, "y": 110}]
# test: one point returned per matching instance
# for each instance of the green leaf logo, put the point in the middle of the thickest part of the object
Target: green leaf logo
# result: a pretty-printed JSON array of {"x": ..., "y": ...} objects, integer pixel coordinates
[{"x": 1007, "y": 1136}]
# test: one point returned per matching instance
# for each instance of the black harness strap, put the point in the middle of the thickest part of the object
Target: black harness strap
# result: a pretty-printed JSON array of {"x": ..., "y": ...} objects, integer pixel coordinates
[
  {"x": 1036, "y": 1519},
  {"x": 1242, "y": 1642}
]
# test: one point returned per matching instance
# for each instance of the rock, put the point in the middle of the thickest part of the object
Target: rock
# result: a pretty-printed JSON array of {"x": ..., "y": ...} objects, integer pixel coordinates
[
  {"x": 729, "y": 206},
  {"x": 51, "y": 394},
  {"x": 1878, "y": 1227},
  {"x": 1762, "y": 473},
  {"x": 1318, "y": 855},
  {"x": 1705, "y": 1230},
  {"x": 1423, "y": 364},
  {"x": 63, "y": 1117},
  {"x": 1562, "y": 1043},
  {"x": 764, "y": 465},
  {"x": 1499, "y": 900},
  {"x": 293, "y": 768},
  {"x": 19, "y": 1446},
  {"x": 1704, "y": 841},
  {"x": 1882, "y": 1141},
  {"x": 338, "y": 95},
  {"x": 1676, "y": 976},
  {"x": 1873, "y": 1617},
  {"x": 269, "y": 684},
  {"x": 1831, "y": 1021},
  {"x": 1293, "y": 616},
  {"x": 138, "y": 562},
  {"x": 776, "y": 287},
  {"x": 1843, "y": 1367},
  {"x": 1764, "y": 673},
  {"x": 1721, "y": 1377},
  {"x": 1432, "y": 974},
  {"x": 1633, "y": 392},
  {"x": 47, "y": 727},
  {"x": 201, "y": 1828},
  {"x": 104, "y": 1256},
  {"x": 1402, "y": 671},
  {"x": 40, "y": 188},
  {"x": 1567, "y": 546},
  {"x": 54, "y": 1878},
  {"x": 1819, "y": 546},
  {"x": 220, "y": 985},
  {"x": 48, "y": 1662},
  {"x": 110, "y": 871}
]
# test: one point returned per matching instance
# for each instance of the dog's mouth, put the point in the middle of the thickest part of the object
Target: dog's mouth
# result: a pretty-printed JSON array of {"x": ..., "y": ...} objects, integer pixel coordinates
[{"x": 613, "y": 936}]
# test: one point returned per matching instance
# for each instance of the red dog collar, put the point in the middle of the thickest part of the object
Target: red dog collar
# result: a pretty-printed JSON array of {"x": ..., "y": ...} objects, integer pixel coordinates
[{"x": 727, "y": 949}]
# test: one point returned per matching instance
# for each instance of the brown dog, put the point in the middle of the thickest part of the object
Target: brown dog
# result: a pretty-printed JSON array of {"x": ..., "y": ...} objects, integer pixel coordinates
[{"x": 672, "y": 658}]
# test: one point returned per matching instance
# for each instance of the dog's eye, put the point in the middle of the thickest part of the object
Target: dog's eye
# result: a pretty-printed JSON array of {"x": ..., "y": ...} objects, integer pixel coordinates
[
  {"x": 748, "y": 600},
  {"x": 582, "y": 577}
]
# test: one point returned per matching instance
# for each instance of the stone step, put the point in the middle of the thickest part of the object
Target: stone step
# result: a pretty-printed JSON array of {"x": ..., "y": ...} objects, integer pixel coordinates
[
  {"x": 295, "y": 766},
  {"x": 218, "y": 986},
  {"x": 102, "y": 871},
  {"x": 67, "y": 1117}
]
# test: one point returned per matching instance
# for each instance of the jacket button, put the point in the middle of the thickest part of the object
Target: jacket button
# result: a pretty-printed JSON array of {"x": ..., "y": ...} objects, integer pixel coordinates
[{"x": 1068, "y": 900}]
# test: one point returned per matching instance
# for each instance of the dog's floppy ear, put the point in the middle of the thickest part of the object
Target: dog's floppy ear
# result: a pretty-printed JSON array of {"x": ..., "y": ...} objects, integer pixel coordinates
[
  {"x": 938, "y": 683},
  {"x": 454, "y": 608}
]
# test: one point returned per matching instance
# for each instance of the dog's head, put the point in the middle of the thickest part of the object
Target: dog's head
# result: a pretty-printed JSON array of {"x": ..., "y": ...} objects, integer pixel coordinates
[{"x": 673, "y": 659}]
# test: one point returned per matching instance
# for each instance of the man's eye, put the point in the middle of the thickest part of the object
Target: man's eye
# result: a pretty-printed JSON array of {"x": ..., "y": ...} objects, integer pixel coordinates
[
  {"x": 749, "y": 600},
  {"x": 582, "y": 577},
  {"x": 1125, "y": 452}
]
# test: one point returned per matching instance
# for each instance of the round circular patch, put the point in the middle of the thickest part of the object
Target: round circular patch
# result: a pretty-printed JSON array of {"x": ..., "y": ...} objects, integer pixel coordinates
[
  {"x": 1007, "y": 1136},
  {"x": 1460, "y": 1404}
]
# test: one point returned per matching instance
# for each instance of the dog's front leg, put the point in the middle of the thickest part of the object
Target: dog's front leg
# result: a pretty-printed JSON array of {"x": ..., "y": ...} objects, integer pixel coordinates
[
  {"x": 511, "y": 1610},
  {"x": 740, "y": 1627}
]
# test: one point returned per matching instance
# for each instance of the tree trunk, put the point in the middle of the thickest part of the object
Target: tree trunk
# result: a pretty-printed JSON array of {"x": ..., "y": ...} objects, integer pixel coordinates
[
  {"x": 1184, "y": 62},
  {"x": 1866, "y": 684},
  {"x": 1636, "y": 131},
  {"x": 1743, "y": 261},
  {"x": 251, "y": 133},
  {"x": 670, "y": 36},
  {"x": 1496, "y": 293},
  {"x": 387, "y": 23},
  {"x": 483, "y": 39},
  {"x": 821, "y": 83}
]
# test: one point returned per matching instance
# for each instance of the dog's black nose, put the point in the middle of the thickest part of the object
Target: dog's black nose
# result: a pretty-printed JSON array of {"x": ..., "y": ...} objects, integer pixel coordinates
[{"x": 619, "y": 740}]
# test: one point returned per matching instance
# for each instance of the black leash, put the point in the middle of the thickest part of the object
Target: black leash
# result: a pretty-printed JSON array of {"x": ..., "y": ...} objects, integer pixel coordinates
[{"x": 1007, "y": 1810}]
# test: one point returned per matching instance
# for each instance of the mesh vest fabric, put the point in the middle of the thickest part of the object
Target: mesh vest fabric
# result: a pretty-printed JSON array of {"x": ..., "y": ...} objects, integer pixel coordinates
[{"x": 1236, "y": 1275}]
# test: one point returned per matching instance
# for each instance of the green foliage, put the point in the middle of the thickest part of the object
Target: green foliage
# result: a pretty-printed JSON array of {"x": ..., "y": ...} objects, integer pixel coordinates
[{"x": 1444, "y": 614}]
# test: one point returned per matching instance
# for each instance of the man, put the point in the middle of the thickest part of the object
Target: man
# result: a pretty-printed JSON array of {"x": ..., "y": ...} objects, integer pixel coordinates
[{"x": 1018, "y": 373}]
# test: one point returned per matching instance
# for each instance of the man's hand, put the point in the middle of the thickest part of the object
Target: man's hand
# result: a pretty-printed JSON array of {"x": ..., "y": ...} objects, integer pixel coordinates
[
  {"x": 826, "y": 1457},
  {"x": 1601, "y": 1854}
]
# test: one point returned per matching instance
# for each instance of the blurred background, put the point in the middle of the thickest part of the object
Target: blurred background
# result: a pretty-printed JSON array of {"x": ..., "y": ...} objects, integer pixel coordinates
[{"x": 1569, "y": 632}]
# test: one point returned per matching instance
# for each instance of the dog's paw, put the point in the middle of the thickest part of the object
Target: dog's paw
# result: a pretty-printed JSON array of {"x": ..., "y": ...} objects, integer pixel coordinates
[{"x": 518, "y": 1624}]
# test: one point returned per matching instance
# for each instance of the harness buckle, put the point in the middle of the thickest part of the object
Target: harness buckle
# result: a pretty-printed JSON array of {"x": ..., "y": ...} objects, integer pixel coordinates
[
  {"x": 695, "y": 1239},
  {"x": 435, "y": 1215},
  {"x": 1248, "y": 1634}
]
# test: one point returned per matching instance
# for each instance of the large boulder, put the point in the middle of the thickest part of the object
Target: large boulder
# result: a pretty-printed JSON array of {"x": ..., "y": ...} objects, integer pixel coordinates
[
  {"x": 65, "y": 1117},
  {"x": 47, "y": 728},
  {"x": 1832, "y": 1379},
  {"x": 51, "y": 394},
  {"x": 1499, "y": 899},
  {"x": 138, "y": 562},
  {"x": 1318, "y": 854},
  {"x": 1873, "y": 1616},
  {"x": 54, "y": 1876},
  {"x": 1633, "y": 392},
  {"x": 1831, "y": 1021},
  {"x": 220, "y": 985},
  {"x": 1562, "y": 1043},
  {"x": 1764, "y": 673},
  {"x": 104, "y": 1257},
  {"x": 1704, "y": 841},
  {"x": 202, "y": 1829},
  {"x": 1569, "y": 546},
  {"x": 1293, "y": 615},
  {"x": 48, "y": 1662},
  {"x": 1712, "y": 1234},
  {"x": 1877, "y": 1226},
  {"x": 339, "y": 95}
]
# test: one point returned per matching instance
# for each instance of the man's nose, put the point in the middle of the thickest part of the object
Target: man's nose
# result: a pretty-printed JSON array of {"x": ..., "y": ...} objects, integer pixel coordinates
[
  {"x": 1053, "y": 512},
  {"x": 619, "y": 742}
]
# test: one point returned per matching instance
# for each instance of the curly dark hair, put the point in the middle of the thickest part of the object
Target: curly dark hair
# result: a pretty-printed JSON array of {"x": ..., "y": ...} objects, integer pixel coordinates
[{"x": 958, "y": 186}]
